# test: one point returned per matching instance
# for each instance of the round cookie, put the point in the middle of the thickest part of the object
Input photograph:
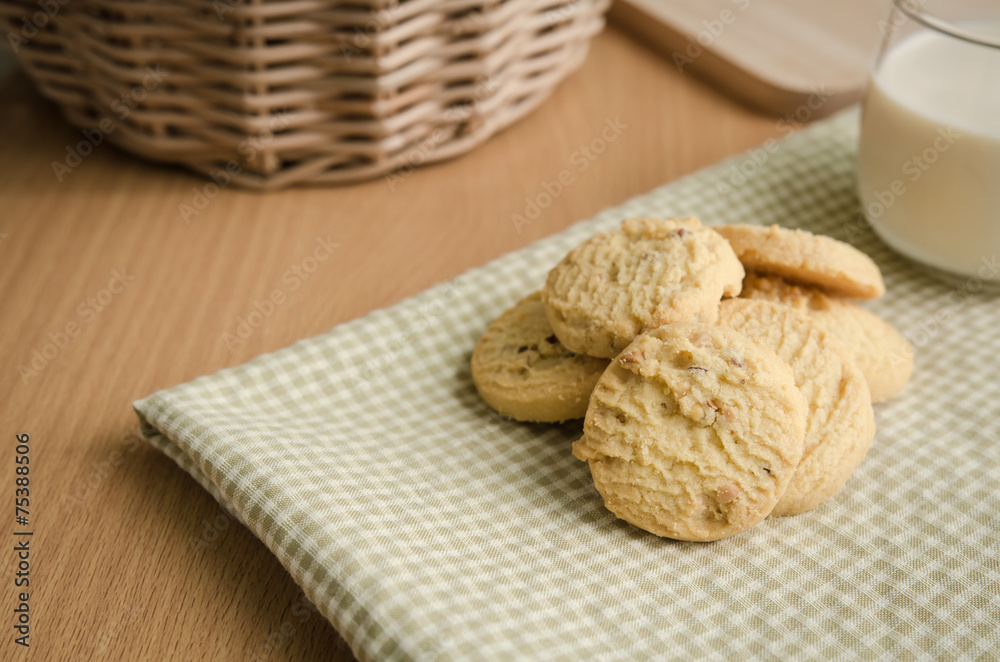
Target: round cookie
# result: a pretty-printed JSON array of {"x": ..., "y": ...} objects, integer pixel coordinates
[
  {"x": 694, "y": 432},
  {"x": 614, "y": 286},
  {"x": 807, "y": 258},
  {"x": 522, "y": 370},
  {"x": 882, "y": 353},
  {"x": 840, "y": 423}
]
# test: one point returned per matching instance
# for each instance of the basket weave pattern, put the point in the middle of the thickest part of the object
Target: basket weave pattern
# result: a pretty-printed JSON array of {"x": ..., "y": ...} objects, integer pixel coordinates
[{"x": 284, "y": 92}]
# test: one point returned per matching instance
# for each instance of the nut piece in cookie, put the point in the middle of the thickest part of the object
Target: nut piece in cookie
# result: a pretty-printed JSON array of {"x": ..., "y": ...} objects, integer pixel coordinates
[
  {"x": 522, "y": 370},
  {"x": 650, "y": 272},
  {"x": 694, "y": 432},
  {"x": 882, "y": 353},
  {"x": 806, "y": 258},
  {"x": 840, "y": 423}
]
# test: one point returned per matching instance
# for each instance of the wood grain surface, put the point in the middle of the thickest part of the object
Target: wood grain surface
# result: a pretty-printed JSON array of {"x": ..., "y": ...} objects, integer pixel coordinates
[
  {"x": 119, "y": 295},
  {"x": 775, "y": 54}
]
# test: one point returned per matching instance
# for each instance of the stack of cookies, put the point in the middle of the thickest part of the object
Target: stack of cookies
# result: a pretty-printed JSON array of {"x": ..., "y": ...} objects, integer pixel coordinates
[{"x": 724, "y": 374}]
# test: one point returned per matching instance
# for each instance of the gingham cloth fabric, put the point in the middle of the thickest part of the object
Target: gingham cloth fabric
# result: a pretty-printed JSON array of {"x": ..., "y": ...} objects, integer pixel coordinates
[{"x": 425, "y": 527}]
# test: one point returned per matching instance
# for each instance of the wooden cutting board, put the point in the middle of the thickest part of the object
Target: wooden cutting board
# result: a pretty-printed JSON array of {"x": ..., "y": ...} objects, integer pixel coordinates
[{"x": 777, "y": 55}]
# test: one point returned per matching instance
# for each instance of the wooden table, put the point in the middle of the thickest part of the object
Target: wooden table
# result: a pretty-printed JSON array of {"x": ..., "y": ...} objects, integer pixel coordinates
[{"x": 119, "y": 296}]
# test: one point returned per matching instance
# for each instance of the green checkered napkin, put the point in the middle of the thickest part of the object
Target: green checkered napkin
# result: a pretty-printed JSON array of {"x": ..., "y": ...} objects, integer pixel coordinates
[{"x": 425, "y": 527}]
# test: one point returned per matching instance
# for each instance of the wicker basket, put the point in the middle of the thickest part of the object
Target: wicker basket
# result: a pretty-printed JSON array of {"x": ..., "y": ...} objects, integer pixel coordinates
[{"x": 284, "y": 92}]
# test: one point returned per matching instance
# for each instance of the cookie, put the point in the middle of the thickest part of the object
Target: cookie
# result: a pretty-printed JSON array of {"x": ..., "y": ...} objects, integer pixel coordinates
[
  {"x": 806, "y": 258},
  {"x": 882, "y": 353},
  {"x": 840, "y": 423},
  {"x": 522, "y": 370},
  {"x": 651, "y": 272},
  {"x": 694, "y": 432}
]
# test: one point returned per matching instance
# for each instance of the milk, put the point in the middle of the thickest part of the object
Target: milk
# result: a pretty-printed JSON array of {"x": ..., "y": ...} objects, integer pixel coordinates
[{"x": 929, "y": 159}]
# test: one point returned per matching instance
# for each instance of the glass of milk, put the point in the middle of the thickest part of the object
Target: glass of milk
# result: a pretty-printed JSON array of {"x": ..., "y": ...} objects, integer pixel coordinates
[{"x": 929, "y": 157}]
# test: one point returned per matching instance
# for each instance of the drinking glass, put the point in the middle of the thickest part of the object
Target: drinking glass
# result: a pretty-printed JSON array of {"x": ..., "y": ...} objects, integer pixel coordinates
[{"x": 928, "y": 172}]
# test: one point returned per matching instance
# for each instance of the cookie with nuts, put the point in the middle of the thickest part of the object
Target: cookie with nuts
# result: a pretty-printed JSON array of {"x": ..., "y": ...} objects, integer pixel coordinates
[
  {"x": 840, "y": 423},
  {"x": 648, "y": 273},
  {"x": 806, "y": 258},
  {"x": 694, "y": 432},
  {"x": 882, "y": 353},
  {"x": 522, "y": 370}
]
